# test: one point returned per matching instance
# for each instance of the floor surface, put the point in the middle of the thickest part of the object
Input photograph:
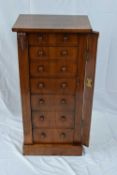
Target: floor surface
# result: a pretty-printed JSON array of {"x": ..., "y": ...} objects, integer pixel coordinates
[{"x": 99, "y": 159}]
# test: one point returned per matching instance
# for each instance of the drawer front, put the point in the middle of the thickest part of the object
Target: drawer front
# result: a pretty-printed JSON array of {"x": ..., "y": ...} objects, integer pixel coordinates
[
  {"x": 45, "y": 53},
  {"x": 59, "y": 68},
  {"x": 38, "y": 39},
  {"x": 53, "y": 102},
  {"x": 36, "y": 53},
  {"x": 67, "y": 39},
  {"x": 53, "y": 135},
  {"x": 53, "y": 86},
  {"x": 53, "y": 119}
]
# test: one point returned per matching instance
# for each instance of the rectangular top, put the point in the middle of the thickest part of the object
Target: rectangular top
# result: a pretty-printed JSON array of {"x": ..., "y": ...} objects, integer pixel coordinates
[{"x": 54, "y": 23}]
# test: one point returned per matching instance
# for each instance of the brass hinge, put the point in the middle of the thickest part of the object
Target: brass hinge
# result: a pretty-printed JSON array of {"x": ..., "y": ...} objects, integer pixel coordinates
[{"x": 89, "y": 82}]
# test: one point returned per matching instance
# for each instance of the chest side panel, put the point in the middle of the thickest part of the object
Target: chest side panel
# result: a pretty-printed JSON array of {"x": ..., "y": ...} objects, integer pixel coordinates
[{"x": 25, "y": 87}]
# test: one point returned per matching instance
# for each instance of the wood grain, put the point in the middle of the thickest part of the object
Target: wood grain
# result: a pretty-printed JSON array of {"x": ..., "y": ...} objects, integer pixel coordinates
[
  {"x": 79, "y": 90},
  {"x": 53, "y": 102},
  {"x": 53, "y": 39},
  {"x": 53, "y": 120},
  {"x": 53, "y": 86},
  {"x": 58, "y": 68},
  {"x": 53, "y": 149},
  {"x": 47, "y": 23},
  {"x": 25, "y": 88},
  {"x": 88, "y": 92},
  {"x": 61, "y": 53},
  {"x": 43, "y": 135}
]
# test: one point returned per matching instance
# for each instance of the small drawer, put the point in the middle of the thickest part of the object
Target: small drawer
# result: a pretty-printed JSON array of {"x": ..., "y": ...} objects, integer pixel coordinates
[
  {"x": 67, "y": 39},
  {"x": 53, "y": 119},
  {"x": 38, "y": 38},
  {"x": 53, "y": 102},
  {"x": 53, "y": 86},
  {"x": 53, "y": 135},
  {"x": 58, "y": 68},
  {"x": 44, "y": 53},
  {"x": 53, "y": 39}
]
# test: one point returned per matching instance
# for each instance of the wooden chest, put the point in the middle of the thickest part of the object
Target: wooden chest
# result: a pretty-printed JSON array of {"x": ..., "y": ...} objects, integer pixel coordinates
[{"x": 57, "y": 57}]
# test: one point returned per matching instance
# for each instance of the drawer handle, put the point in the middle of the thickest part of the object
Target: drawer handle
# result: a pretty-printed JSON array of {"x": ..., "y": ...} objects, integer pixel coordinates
[
  {"x": 63, "y": 101},
  {"x": 64, "y": 52},
  {"x": 40, "y": 53},
  {"x": 41, "y": 101},
  {"x": 40, "y": 37},
  {"x": 63, "y": 135},
  {"x": 63, "y": 118},
  {"x": 42, "y": 117},
  {"x": 65, "y": 38},
  {"x": 41, "y": 85},
  {"x": 40, "y": 68},
  {"x": 63, "y": 69},
  {"x": 43, "y": 135},
  {"x": 63, "y": 85}
]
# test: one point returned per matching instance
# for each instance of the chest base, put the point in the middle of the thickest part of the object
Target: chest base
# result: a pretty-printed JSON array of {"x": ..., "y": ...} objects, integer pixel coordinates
[{"x": 53, "y": 149}]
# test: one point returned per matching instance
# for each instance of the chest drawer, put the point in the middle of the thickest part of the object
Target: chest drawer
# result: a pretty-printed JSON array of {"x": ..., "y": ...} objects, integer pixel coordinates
[
  {"x": 64, "y": 53},
  {"x": 67, "y": 39},
  {"x": 58, "y": 68},
  {"x": 53, "y": 135},
  {"x": 38, "y": 38},
  {"x": 53, "y": 119},
  {"x": 53, "y": 102},
  {"x": 53, "y": 86}
]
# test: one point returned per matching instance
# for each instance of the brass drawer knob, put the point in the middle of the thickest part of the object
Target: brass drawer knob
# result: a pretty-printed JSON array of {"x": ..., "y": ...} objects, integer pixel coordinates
[
  {"x": 43, "y": 135},
  {"x": 63, "y": 101},
  {"x": 41, "y": 101},
  {"x": 65, "y": 38},
  {"x": 42, "y": 117},
  {"x": 64, "y": 52},
  {"x": 41, "y": 85},
  {"x": 63, "y": 69},
  {"x": 40, "y": 53},
  {"x": 63, "y": 85},
  {"x": 63, "y": 118},
  {"x": 63, "y": 135},
  {"x": 40, "y": 68}
]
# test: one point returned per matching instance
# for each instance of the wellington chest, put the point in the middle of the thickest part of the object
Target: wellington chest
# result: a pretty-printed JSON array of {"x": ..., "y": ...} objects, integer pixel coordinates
[{"x": 57, "y": 58}]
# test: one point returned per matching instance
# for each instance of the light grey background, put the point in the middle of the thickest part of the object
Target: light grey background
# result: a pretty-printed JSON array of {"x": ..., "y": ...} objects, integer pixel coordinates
[
  {"x": 101, "y": 157},
  {"x": 103, "y": 17}
]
